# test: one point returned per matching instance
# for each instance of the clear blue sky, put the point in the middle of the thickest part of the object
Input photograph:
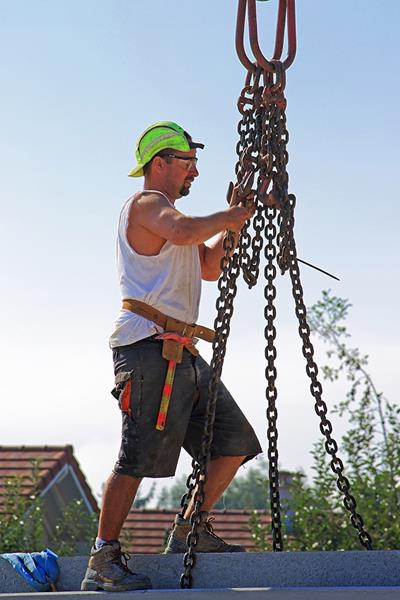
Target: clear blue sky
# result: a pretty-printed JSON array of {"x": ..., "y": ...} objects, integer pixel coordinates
[{"x": 80, "y": 81}]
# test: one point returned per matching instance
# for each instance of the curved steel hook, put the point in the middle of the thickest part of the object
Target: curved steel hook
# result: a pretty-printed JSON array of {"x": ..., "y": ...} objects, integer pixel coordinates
[
  {"x": 286, "y": 13},
  {"x": 252, "y": 18},
  {"x": 291, "y": 33},
  {"x": 241, "y": 52},
  {"x": 280, "y": 30}
]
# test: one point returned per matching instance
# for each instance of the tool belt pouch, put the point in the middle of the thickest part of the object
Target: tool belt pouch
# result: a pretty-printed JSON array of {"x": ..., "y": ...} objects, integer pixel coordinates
[
  {"x": 122, "y": 391},
  {"x": 172, "y": 350}
]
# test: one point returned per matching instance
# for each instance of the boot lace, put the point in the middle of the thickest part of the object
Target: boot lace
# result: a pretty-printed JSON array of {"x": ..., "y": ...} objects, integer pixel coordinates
[
  {"x": 121, "y": 559},
  {"x": 208, "y": 526}
]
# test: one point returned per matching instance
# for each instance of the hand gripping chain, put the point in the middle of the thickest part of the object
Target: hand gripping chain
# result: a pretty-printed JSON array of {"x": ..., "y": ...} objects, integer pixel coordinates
[{"x": 262, "y": 158}]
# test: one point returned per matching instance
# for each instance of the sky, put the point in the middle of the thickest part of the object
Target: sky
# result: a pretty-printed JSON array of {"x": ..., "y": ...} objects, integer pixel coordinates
[{"x": 80, "y": 81}]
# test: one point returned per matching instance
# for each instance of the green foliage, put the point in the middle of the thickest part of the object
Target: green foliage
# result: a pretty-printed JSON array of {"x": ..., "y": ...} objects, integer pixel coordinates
[
  {"x": 21, "y": 523},
  {"x": 370, "y": 451},
  {"x": 170, "y": 498},
  {"x": 318, "y": 520},
  {"x": 76, "y": 527},
  {"x": 260, "y": 533},
  {"x": 247, "y": 491},
  {"x": 314, "y": 516}
]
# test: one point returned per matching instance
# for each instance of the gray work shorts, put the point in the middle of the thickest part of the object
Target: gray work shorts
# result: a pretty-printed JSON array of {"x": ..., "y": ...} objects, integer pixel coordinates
[{"x": 147, "y": 452}]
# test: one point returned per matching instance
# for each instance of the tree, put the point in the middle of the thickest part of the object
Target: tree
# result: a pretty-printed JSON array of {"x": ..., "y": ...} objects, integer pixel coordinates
[
  {"x": 142, "y": 501},
  {"x": 74, "y": 531},
  {"x": 22, "y": 521},
  {"x": 247, "y": 491},
  {"x": 370, "y": 449},
  {"x": 170, "y": 498}
]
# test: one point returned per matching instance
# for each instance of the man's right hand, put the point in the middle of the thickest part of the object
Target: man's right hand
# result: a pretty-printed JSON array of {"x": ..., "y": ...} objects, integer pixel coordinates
[{"x": 238, "y": 215}]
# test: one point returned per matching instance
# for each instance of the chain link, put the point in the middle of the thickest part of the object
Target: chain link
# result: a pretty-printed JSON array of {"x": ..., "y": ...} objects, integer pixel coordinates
[
  {"x": 262, "y": 152},
  {"x": 191, "y": 483},
  {"x": 276, "y": 139},
  {"x": 227, "y": 285},
  {"x": 270, "y": 375},
  {"x": 321, "y": 409},
  {"x": 270, "y": 173}
]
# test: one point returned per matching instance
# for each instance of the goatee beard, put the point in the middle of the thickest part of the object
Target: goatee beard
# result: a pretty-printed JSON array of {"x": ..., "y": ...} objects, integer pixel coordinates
[{"x": 185, "y": 190}]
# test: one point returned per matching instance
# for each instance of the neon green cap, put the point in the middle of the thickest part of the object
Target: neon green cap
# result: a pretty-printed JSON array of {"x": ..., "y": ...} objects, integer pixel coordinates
[{"x": 157, "y": 137}]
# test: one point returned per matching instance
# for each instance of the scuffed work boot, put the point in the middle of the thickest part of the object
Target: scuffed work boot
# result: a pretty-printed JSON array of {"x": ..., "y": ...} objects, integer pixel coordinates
[
  {"x": 108, "y": 570},
  {"x": 208, "y": 541}
]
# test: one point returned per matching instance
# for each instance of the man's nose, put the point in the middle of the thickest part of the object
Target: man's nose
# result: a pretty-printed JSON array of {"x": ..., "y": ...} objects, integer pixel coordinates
[{"x": 193, "y": 170}]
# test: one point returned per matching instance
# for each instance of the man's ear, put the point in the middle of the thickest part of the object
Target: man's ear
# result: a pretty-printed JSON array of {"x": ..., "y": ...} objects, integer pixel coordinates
[{"x": 158, "y": 163}]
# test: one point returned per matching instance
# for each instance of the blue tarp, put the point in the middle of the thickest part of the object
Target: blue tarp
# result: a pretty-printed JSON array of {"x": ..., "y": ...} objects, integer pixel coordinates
[{"x": 39, "y": 569}]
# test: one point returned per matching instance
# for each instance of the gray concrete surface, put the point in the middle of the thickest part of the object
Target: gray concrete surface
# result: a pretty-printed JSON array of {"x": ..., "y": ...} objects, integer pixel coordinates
[
  {"x": 372, "y": 569},
  {"x": 226, "y": 594}
]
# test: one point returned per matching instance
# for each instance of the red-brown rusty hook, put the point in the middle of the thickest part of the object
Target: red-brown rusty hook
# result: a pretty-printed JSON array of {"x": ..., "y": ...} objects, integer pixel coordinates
[
  {"x": 286, "y": 12},
  {"x": 241, "y": 52},
  {"x": 291, "y": 33},
  {"x": 252, "y": 18},
  {"x": 280, "y": 30}
]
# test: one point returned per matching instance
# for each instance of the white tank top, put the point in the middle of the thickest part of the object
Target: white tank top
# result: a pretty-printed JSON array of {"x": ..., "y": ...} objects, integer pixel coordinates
[{"x": 170, "y": 281}]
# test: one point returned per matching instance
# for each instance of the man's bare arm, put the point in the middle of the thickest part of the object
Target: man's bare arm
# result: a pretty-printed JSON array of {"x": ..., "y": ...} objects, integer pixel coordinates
[
  {"x": 160, "y": 218},
  {"x": 212, "y": 253}
]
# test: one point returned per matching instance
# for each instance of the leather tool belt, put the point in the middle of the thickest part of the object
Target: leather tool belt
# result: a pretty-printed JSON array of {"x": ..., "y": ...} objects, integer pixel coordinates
[{"x": 172, "y": 350}]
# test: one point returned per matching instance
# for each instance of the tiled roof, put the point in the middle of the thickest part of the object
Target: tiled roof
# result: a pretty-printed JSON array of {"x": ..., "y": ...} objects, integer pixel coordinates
[
  {"x": 17, "y": 460},
  {"x": 145, "y": 530}
]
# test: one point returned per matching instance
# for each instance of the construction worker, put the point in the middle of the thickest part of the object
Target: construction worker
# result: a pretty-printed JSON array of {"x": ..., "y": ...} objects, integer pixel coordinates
[{"x": 161, "y": 381}]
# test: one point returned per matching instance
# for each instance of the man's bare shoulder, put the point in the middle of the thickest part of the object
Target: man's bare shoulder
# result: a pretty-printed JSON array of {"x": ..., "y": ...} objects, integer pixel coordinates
[
  {"x": 152, "y": 199},
  {"x": 148, "y": 209}
]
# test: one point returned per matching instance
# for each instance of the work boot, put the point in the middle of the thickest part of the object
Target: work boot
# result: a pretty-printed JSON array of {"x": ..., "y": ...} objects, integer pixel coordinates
[
  {"x": 208, "y": 541},
  {"x": 108, "y": 570}
]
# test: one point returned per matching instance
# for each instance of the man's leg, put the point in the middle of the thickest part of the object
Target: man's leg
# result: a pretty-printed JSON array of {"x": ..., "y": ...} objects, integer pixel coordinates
[
  {"x": 120, "y": 491},
  {"x": 119, "y": 494},
  {"x": 106, "y": 570},
  {"x": 221, "y": 471},
  {"x": 140, "y": 374},
  {"x": 232, "y": 435}
]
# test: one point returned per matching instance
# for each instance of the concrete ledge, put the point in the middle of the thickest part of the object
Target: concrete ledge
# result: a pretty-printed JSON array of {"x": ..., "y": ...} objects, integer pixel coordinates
[
  {"x": 367, "y": 569},
  {"x": 387, "y": 593}
]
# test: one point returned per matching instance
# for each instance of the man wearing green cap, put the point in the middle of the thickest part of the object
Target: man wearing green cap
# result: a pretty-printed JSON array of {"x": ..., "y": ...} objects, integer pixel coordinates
[{"x": 161, "y": 382}]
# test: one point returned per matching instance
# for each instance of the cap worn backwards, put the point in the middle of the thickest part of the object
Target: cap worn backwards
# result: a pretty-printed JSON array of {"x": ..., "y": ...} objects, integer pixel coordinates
[{"x": 157, "y": 137}]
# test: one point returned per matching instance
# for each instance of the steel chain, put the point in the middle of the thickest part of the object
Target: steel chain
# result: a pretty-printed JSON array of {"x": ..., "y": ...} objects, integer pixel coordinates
[
  {"x": 321, "y": 409},
  {"x": 269, "y": 174},
  {"x": 277, "y": 137},
  {"x": 270, "y": 375},
  {"x": 227, "y": 287},
  {"x": 287, "y": 260},
  {"x": 245, "y": 139},
  {"x": 262, "y": 151},
  {"x": 191, "y": 482},
  {"x": 248, "y": 164}
]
